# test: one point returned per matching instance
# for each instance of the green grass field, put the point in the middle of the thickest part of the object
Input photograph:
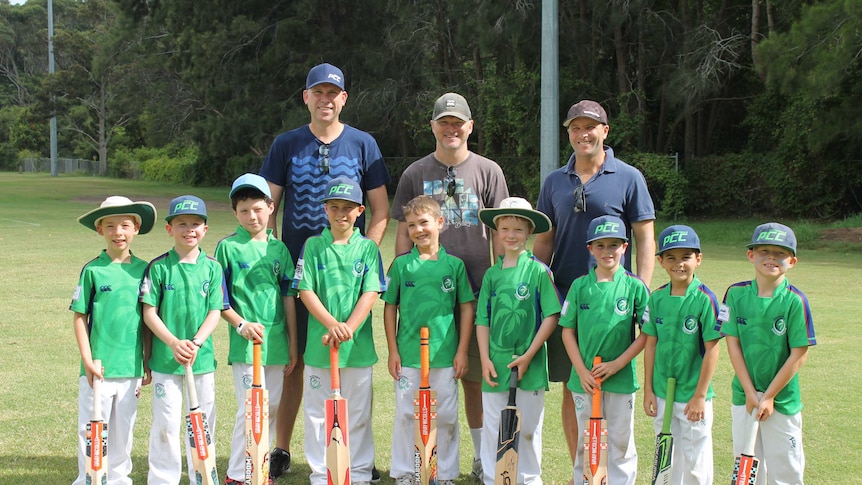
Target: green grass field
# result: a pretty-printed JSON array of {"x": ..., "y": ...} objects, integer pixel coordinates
[{"x": 42, "y": 249}]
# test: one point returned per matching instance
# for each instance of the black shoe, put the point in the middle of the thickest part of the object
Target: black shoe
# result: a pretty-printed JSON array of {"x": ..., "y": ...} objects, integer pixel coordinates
[
  {"x": 375, "y": 475},
  {"x": 279, "y": 463}
]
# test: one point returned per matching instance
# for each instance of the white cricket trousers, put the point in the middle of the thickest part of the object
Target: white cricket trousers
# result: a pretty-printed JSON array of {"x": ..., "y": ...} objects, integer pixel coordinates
[
  {"x": 692, "y": 444},
  {"x": 119, "y": 410},
  {"x": 169, "y": 424},
  {"x": 356, "y": 388},
  {"x": 782, "y": 460},
  {"x": 442, "y": 381},
  {"x": 272, "y": 379},
  {"x": 532, "y": 406},
  {"x": 618, "y": 410}
]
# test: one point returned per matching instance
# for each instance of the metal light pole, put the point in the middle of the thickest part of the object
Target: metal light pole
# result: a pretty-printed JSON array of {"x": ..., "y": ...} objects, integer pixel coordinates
[
  {"x": 549, "y": 149},
  {"x": 51, "y": 71}
]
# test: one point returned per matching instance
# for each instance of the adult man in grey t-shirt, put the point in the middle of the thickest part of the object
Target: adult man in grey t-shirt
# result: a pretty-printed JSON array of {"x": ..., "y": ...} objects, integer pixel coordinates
[{"x": 463, "y": 182}]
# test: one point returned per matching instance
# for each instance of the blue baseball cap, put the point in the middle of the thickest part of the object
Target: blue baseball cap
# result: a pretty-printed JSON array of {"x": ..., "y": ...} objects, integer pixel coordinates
[
  {"x": 324, "y": 73},
  {"x": 187, "y": 204},
  {"x": 343, "y": 188},
  {"x": 774, "y": 234},
  {"x": 606, "y": 227},
  {"x": 250, "y": 181},
  {"x": 678, "y": 236}
]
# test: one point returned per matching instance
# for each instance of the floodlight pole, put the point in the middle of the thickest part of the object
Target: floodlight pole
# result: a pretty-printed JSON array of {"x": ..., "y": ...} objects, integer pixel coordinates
[
  {"x": 53, "y": 99},
  {"x": 549, "y": 149}
]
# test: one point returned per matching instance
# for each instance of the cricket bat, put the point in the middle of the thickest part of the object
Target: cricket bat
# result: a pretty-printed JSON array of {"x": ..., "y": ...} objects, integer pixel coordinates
[
  {"x": 200, "y": 440},
  {"x": 256, "y": 427},
  {"x": 661, "y": 468},
  {"x": 506, "y": 471},
  {"x": 425, "y": 419},
  {"x": 337, "y": 444},
  {"x": 745, "y": 466},
  {"x": 97, "y": 437},
  {"x": 596, "y": 440}
]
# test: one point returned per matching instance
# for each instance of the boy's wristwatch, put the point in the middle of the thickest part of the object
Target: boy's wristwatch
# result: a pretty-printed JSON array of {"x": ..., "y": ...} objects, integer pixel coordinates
[
  {"x": 239, "y": 327},
  {"x": 196, "y": 342}
]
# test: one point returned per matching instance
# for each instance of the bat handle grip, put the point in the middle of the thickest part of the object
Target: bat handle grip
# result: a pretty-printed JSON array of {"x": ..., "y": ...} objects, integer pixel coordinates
[
  {"x": 333, "y": 367},
  {"x": 256, "y": 359},
  {"x": 597, "y": 393},
  {"x": 751, "y": 439}
]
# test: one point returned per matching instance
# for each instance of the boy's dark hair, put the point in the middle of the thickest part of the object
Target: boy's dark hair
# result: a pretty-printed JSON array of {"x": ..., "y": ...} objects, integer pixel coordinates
[{"x": 248, "y": 193}]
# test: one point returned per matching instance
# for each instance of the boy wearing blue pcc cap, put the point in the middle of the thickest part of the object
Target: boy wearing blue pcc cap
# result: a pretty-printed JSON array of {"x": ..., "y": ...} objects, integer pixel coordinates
[
  {"x": 600, "y": 317},
  {"x": 769, "y": 329},
  {"x": 108, "y": 327},
  {"x": 339, "y": 276},
  {"x": 258, "y": 271},
  {"x": 183, "y": 297},
  {"x": 518, "y": 309},
  {"x": 682, "y": 343}
]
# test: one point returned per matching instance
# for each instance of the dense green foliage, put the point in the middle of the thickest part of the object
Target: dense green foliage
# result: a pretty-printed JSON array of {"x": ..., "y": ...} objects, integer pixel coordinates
[{"x": 758, "y": 97}]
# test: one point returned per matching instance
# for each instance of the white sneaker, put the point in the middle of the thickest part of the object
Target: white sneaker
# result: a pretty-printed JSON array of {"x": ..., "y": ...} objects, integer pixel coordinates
[{"x": 476, "y": 472}]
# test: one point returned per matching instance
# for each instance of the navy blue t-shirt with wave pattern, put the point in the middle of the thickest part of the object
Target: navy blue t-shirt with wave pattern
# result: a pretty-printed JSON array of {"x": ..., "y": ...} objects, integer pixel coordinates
[{"x": 295, "y": 162}]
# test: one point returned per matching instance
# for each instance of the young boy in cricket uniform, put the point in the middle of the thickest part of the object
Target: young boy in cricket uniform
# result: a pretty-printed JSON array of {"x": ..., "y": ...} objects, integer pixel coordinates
[
  {"x": 258, "y": 271},
  {"x": 682, "y": 342},
  {"x": 183, "y": 297},
  {"x": 339, "y": 276},
  {"x": 108, "y": 327},
  {"x": 518, "y": 309},
  {"x": 769, "y": 329},
  {"x": 600, "y": 317},
  {"x": 424, "y": 287}
]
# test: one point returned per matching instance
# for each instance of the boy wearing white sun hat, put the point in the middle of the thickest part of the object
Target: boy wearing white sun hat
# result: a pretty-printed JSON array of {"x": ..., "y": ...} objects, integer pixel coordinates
[
  {"x": 108, "y": 327},
  {"x": 517, "y": 311}
]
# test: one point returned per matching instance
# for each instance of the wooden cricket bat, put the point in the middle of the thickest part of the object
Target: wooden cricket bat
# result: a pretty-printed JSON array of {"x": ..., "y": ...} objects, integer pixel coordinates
[
  {"x": 596, "y": 440},
  {"x": 425, "y": 419},
  {"x": 506, "y": 471},
  {"x": 256, "y": 426},
  {"x": 201, "y": 444},
  {"x": 661, "y": 468},
  {"x": 746, "y": 465},
  {"x": 97, "y": 437},
  {"x": 337, "y": 443}
]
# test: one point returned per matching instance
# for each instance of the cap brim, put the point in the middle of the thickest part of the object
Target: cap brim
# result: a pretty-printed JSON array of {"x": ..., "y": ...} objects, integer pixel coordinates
[
  {"x": 753, "y": 245},
  {"x": 568, "y": 121},
  {"x": 250, "y": 186},
  {"x": 541, "y": 222},
  {"x": 460, "y": 116},
  {"x": 145, "y": 212}
]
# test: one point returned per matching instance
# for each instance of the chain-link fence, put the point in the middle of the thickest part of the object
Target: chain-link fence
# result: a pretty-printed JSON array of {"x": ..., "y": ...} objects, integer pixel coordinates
[{"x": 64, "y": 165}]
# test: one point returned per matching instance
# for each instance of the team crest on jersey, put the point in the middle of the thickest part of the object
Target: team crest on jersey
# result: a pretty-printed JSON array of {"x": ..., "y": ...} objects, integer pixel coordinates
[
  {"x": 522, "y": 292},
  {"x": 622, "y": 306},
  {"x": 159, "y": 391},
  {"x": 779, "y": 326},
  {"x": 580, "y": 405},
  {"x": 246, "y": 381},
  {"x": 314, "y": 382},
  {"x": 276, "y": 267},
  {"x": 358, "y": 268},
  {"x": 205, "y": 288},
  {"x": 448, "y": 285},
  {"x": 689, "y": 325}
]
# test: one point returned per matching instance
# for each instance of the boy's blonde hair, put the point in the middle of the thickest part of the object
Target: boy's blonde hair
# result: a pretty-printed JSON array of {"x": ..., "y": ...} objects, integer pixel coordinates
[{"x": 423, "y": 204}]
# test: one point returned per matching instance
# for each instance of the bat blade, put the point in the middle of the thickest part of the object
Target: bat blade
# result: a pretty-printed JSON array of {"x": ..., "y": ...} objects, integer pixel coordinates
[
  {"x": 97, "y": 438},
  {"x": 662, "y": 463},
  {"x": 425, "y": 419},
  {"x": 506, "y": 471},
  {"x": 336, "y": 425},
  {"x": 201, "y": 444},
  {"x": 596, "y": 441},
  {"x": 256, "y": 426},
  {"x": 746, "y": 465}
]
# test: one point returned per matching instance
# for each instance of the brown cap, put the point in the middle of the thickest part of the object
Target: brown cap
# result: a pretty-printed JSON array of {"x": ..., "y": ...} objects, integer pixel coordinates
[
  {"x": 451, "y": 104},
  {"x": 586, "y": 109}
]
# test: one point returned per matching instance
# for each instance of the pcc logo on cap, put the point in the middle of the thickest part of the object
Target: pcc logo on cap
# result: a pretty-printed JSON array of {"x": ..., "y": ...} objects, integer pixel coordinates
[
  {"x": 607, "y": 227},
  {"x": 341, "y": 189},
  {"x": 772, "y": 235},
  {"x": 185, "y": 205},
  {"x": 674, "y": 237},
  {"x": 334, "y": 77}
]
